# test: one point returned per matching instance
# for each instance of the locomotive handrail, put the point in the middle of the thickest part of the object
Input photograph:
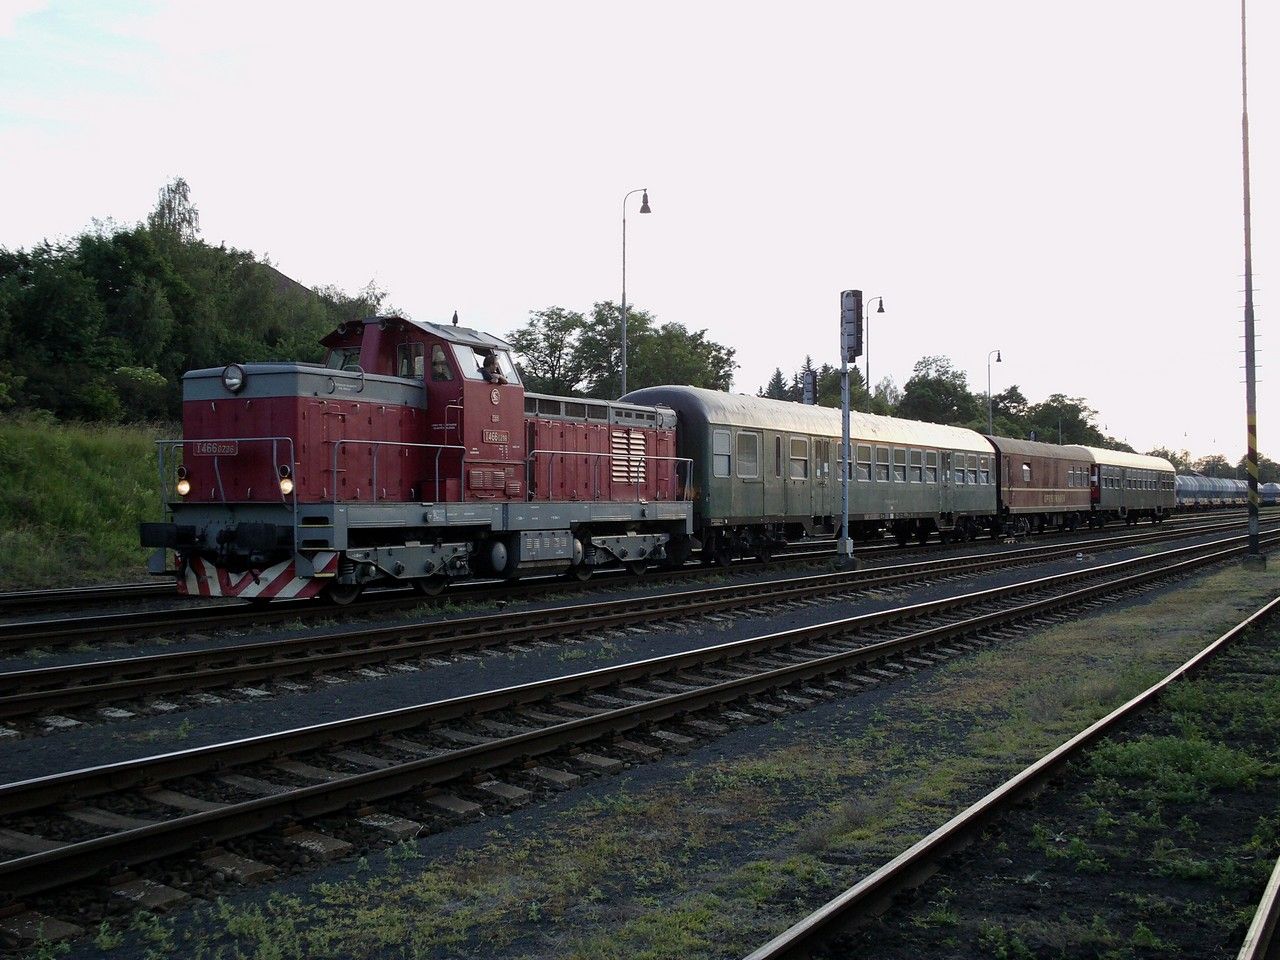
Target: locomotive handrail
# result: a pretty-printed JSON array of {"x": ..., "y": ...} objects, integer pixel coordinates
[
  {"x": 290, "y": 499},
  {"x": 378, "y": 444},
  {"x": 683, "y": 485}
]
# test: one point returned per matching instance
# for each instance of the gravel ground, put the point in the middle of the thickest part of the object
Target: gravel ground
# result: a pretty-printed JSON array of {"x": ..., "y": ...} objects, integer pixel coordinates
[
  {"x": 706, "y": 854},
  {"x": 239, "y": 716}
]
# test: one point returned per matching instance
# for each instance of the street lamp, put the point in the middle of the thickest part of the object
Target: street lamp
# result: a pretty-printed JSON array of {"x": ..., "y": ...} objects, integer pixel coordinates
[
  {"x": 866, "y": 347},
  {"x": 644, "y": 208},
  {"x": 991, "y": 429}
]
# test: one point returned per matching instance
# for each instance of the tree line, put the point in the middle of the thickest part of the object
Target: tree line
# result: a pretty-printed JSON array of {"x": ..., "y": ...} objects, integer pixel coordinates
[{"x": 101, "y": 327}]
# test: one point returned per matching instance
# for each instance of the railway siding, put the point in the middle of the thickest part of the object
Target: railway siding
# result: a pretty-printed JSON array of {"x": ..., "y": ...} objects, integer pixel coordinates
[{"x": 1158, "y": 840}]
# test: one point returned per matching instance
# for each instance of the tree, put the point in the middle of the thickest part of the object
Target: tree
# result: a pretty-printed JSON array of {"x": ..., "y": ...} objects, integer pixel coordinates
[
  {"x": 887, "y": 399},
  {"x": 1181, "y": 459},
  {"x": 655, "y": 355},
  {"x": 175, "y": 219},
  {"x": 547, "y": 350},
  {"x": 1268, "y": 469},
  {"x": 1214, "y": 465},
  {"x": 776, "y": 388},
  {"x": 938, "y": 393},
  {"x": 1063, "y": 419}
]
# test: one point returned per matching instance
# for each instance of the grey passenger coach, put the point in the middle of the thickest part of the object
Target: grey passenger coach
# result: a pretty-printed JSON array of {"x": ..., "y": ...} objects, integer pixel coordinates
[{"x": 767, "y": 471}]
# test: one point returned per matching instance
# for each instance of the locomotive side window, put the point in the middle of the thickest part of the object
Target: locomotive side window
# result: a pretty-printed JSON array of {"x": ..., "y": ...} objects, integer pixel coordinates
[
  {"x": 882, "y": 463},
  {"x": 799, "y": 458},
  {"x": 931, "y": 466},
  {"x": 1026, "y": 473},
  {"x": 410, "y": 361},
  {"x": 720, "y": 453},
  {"x": 342, "y": 358},
  {"x": 472, "y": 363},
  {"x": 864, "y": 461},
  {"x": 440, "y": 370},
  {"x": 748, "y": 455}
]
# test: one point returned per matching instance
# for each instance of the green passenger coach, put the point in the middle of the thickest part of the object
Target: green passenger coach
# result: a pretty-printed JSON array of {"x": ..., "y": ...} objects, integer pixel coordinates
[{"x": 767, "y": 471}]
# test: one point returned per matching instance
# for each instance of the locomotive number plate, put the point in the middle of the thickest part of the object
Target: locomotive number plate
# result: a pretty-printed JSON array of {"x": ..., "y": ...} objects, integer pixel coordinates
[
  {"x": 497, "y": 436},
  {"x": 215, "y": 448}
]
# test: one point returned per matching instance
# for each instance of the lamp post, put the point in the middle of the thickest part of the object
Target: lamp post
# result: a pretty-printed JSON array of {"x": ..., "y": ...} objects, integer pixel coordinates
[
  {"x": 644, "y": 208},
  {"x": 866, "y": 344},
  {"x": 991, "y": 429}
]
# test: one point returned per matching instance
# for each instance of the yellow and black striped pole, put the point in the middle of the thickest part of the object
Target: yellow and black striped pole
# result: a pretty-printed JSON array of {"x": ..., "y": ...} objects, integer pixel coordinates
[{"x": 1253, "y": 556}]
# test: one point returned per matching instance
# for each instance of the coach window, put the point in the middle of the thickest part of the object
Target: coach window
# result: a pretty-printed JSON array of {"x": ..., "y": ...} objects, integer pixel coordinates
[
  {"x": 799, "y": 458},
  {"x": 899, "y": 464},
  {"x": 1026, "y": 473},
  {"x": 864, "y": 461},
  {"x": 777, "y": 456},
  {"x": 720, "y": 453},
  {"x": 915, "y": 466},
  {"x": 973, "y": 468},
  {"x": 882, "y": 463},
  {"x": 931, "y": 466},
  {"x": 748, "y": 455},
  {"x": 957, "y": 468}
]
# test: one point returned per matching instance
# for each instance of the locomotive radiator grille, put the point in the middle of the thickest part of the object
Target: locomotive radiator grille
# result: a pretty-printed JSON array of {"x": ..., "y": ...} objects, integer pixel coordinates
[{"x": 626, "y": 447}]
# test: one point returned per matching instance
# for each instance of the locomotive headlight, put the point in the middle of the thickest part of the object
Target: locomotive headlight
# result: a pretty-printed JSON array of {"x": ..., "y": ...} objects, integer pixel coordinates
[
  {"x": 286, "y": 480},
  {"x": 183, "y": 486},
  {"x": 233, "y": 377}
]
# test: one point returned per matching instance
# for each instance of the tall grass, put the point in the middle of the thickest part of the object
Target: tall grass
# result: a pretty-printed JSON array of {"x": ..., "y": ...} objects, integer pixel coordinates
[{"x": 71, "y": 497}]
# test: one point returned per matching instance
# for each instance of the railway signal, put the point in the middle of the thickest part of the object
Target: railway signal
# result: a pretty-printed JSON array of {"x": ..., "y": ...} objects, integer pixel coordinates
[{"x": 850, "y": 349}]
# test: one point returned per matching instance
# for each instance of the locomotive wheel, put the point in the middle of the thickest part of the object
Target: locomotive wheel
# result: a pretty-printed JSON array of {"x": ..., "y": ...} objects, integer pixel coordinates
[
  {"x": 343, "y": 594},
  {"x": 581, "y": 572},
  {"x": 722, "y": 557},
  {"x": 637, "y": 568},
  {"x": 765, "y": 554},
  {"x": 430, "y": 586}
]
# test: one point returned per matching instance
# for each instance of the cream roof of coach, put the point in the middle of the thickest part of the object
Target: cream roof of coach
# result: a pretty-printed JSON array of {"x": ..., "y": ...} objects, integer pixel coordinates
[
  {"x": 763, "y": 413},
  {"x": 1134, "y": 461}
]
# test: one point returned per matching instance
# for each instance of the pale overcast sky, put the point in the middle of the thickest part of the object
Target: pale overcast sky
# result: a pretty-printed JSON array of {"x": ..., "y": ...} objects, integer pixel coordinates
[{"x": 1059, "y": 181}]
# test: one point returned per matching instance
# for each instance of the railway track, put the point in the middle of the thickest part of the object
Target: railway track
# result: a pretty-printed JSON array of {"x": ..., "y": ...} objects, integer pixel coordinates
[
  {"x": 818, "y": 933},
  {"x": 17, "y": 634},
  {"x": 61, "y": 689},
  {"x": 70, "y": 598},
  {"x": 381, "y": 770}
]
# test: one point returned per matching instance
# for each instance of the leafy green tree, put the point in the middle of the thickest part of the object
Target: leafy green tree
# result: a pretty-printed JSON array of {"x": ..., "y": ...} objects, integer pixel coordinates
[
  {"x": 938, "y": 393},
  {"x": 1181, "y": 459},
  {"x": 887, "y": 399},
  {"x": 1063, "y": 419},
  {"x": 547, "y": 350},
  {"x": 1214, "y": 465}
]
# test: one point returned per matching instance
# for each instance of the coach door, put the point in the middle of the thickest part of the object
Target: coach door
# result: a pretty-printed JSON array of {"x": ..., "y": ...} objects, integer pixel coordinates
[{"x": 947, "y": 485}]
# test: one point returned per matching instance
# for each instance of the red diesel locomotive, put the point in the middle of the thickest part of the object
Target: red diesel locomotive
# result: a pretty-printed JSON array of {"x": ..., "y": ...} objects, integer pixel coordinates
[{"x": 412, "y": 455}]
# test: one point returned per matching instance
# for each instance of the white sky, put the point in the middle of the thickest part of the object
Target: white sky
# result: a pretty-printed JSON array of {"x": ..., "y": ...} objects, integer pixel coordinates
[{"x": 1060, "y": 181}]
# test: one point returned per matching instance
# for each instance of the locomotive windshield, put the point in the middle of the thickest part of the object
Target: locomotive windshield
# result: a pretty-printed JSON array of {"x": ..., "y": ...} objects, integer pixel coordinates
[{"x": 340, "y": 358}]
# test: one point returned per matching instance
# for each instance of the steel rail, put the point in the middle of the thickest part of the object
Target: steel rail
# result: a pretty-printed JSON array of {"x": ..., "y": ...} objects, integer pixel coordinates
[
  {"x": 30, "y": 691},
  {"x": 60, "y": 866},
  {"x": 74, "y": 628},
  {"x": 914, "y": 865},
  {"x": 1260, "y": 941}
]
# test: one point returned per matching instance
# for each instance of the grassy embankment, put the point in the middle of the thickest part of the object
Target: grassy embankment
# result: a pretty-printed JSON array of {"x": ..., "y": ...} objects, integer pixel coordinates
[{"x": 71, "y": 496}]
